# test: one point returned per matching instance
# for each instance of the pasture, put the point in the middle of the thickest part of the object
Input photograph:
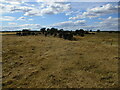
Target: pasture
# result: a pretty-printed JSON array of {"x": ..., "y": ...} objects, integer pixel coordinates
[{"x": 51, "y": 62}]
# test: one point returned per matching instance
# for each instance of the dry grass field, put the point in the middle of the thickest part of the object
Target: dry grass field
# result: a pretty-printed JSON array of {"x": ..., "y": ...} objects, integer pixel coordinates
[{"x": 51, "y": 62}]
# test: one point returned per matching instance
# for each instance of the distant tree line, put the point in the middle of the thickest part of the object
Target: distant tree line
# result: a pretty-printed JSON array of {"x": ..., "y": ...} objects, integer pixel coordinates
[{"x": 68, "y": 35}]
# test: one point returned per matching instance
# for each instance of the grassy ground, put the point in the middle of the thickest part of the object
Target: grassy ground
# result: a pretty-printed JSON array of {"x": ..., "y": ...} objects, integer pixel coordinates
[
  {"x": 8, "y": 33},
  {"x": 51, "y": 62}
]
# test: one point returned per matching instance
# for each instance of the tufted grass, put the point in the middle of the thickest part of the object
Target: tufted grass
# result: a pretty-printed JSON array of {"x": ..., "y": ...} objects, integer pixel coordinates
[{"x": 51, "y": 62}]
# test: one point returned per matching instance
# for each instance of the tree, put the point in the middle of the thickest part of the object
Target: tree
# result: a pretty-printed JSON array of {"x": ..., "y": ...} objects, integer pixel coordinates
[
  {"x": 82, "y": 32},
  {"x": 25, "y": 32},
  {"x": 98, "y": 30},
  {"x": 90, "y": 30},
  {"x": 53, "y": 31},
  {"x": 43, "y": 30}
]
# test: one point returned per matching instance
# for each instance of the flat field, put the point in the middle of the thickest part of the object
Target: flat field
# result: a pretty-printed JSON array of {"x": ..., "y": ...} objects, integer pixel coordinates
[{"x": 51, "y": 62}]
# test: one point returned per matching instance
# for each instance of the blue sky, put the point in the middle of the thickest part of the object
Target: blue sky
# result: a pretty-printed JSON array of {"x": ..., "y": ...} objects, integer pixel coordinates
[{"x": 18, "y": 15}]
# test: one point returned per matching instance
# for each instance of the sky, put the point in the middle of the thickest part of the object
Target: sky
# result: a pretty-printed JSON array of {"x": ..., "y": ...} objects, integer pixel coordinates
[{"x": 61, "y": 14}]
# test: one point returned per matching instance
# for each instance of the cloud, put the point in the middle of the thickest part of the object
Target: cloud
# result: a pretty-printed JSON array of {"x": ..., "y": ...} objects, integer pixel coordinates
[
  {"x": 21, "y": 18},
  {"x": 31, "y": 26},
  {"x": 10, "y": 23},
  {"x": 5, "y": 8},
  {"x": 7, "y": 18},
  {"x": 48, "y": 8},
  {"x": 21, "y": 9},
  {"x": 59, "y": 1},
  {"x": 108, "y": 24},
  {"x": 69, "y": 13},
  {"x": 81, "y": 22},
  {"x": 109, "y": 21},
  {"x": 24, "y": 19},
  {"x": 78, "y": 0},
  {"x": 72, "y": 12},
  {"x": 20, "y": 27},
  {"x": 97, "y": 11},
  {"x": 70, "y": 24},
  {"x": 77, "y": 10},
  {"x": 15, "y": 2},
  {"x": 30, "y": 19},
  {"x": 14, "y": 6},
  {"x": 52, "y": 0},
  {"x": 65, "y": 25}
]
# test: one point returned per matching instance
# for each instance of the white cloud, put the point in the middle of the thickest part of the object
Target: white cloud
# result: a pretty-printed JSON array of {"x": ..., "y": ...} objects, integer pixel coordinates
[
  {"x": 20, "y": 27},
  {"x": 14, "y": 1},
  {"x": 108, "y": 24},
  {"x": 7, "y": 18},
  {"x": 48, "y": 8},
  {"x": 64, "y": 24},
  {"x": 14, "y": 7},
  {"x": 21, "y": 18},
  {"x": 109, "y": 21},
  {"x": 72, "y": 12},
  {"x": 69, "y": 13},
  {"x": 24, "y": 19},
  {"x": 40, "y": 10},
  {"x": 10, "y": 23},
  {"x": 60, "y": 0},
  {"x": 5, "y": 8},
  {"x": 97, "y": 11},
  {"x": 78, "y": 0},
  {"x": 21, "y": 9},
  {"x": 30, "y": 19},
  {"x": 52, "y": 0},
  {"x": 31, "y": 26},
  {"x": 80, "y": 22},
  {"x": 70, "y": 24}
]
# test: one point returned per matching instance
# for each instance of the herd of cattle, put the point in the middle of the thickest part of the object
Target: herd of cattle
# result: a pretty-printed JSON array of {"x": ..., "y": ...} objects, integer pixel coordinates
[{"x": 54, "y": 32}]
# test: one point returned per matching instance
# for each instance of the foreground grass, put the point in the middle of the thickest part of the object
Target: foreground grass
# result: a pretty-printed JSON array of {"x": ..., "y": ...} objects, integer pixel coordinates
[{"x": 48, "y": 62}]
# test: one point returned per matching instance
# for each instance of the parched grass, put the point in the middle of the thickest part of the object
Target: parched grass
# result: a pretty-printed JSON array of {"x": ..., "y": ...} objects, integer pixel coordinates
[
  {"x": 8, "y": 33},
  {"x": 51, "y": 62}
]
